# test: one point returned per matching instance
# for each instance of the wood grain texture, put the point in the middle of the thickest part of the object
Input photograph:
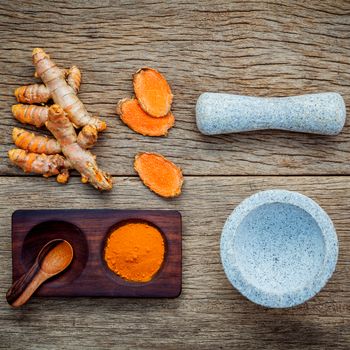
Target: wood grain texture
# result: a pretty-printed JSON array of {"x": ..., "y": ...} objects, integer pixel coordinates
[
  {"x": 209, "y": 313},
  {"x": 263, "y": 48},
  {"x": 274, "y": 48}
]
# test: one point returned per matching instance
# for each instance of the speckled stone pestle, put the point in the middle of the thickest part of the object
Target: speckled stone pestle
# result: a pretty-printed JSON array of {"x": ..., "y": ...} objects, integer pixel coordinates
[
  {"x": 279, "y": 248},
  {"x": 322, "y": 113}
]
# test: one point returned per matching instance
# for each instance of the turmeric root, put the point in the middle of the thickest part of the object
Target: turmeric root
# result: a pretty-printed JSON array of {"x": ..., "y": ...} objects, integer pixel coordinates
[
  {"x": 87, "y": 137},
  {"x": 26, "y": 140},
  {"x": 153, "y": 92},
  {"x": 159, "y": 174},
  {"x": 35, "y": 93},
  {"x": 63, "y": 177},
  {"x": 138, "y": 120},
  {"x": 39, "y": 93},
  {"x": 40, "y": 154},
  {"x": 30, "y": 114},
  {"x": 79, "y": 158},
  {"x": 63, "y": 94},
  {"x": 47, "y": 165},
  {"x": 74, "y": 78},
  {"x": 35, "y": 143}
]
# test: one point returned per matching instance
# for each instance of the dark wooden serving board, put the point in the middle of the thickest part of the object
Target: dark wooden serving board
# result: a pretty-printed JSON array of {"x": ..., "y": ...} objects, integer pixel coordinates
[{"x": 87, "y": 231}]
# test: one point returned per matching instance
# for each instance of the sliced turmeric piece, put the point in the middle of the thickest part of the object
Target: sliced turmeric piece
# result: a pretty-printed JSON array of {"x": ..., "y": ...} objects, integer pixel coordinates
[
  {"x": 138, "y": 120},
  {"x": 153, "y": 92},
  {"x": 159, "y": 174}
]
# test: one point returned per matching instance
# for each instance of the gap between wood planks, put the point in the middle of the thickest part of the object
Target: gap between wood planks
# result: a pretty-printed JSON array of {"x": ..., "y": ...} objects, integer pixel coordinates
[{"x": 192, "y": 175}]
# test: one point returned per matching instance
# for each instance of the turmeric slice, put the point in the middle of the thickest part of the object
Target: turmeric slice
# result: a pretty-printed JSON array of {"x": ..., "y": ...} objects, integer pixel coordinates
[
  {"x": 35, "y": 143},
  {"x": 159, "y": 174},
  {"x": 153, "y": 92},
  {"x": 138, "y": 120}
]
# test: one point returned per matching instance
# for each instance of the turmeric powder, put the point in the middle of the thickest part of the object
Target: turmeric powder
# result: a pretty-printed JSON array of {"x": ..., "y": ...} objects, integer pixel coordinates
[{"x": 135, "y": 251}]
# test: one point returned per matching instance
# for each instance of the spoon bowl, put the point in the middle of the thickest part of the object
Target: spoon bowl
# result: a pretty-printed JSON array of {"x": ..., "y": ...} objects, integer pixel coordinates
[{"x": 57, "y": 258}]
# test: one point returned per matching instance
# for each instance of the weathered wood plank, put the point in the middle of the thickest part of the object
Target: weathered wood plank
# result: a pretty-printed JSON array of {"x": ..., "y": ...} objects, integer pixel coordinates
[
  {"x": 256, "y": 48},
  {"x": 209, "y": 313},
  {"x": 249, "y": 47}
]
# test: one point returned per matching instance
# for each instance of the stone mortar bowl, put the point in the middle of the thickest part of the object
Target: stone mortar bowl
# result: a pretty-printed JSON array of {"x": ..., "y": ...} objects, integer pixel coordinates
[{"x": 279, "y": 248}]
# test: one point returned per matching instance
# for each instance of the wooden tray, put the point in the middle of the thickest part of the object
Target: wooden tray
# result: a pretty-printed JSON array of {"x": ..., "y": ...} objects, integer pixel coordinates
[{"x": 87, "y": 230}]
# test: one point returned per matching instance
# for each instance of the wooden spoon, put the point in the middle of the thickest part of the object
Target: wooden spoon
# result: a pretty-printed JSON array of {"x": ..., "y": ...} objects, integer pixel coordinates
[{"x": 52, "y": 259}]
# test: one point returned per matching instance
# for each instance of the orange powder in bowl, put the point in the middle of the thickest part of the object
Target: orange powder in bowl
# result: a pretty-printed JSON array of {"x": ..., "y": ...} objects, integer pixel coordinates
[{"x": 135, "y": 251}]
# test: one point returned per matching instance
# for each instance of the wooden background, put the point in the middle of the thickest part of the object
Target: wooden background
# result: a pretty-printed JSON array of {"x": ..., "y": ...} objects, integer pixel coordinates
[{"x": 264, "y": 48}]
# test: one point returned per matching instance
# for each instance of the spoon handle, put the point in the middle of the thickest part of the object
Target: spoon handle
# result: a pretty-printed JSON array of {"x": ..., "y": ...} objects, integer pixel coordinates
[{"x": 25, "y": 286}]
